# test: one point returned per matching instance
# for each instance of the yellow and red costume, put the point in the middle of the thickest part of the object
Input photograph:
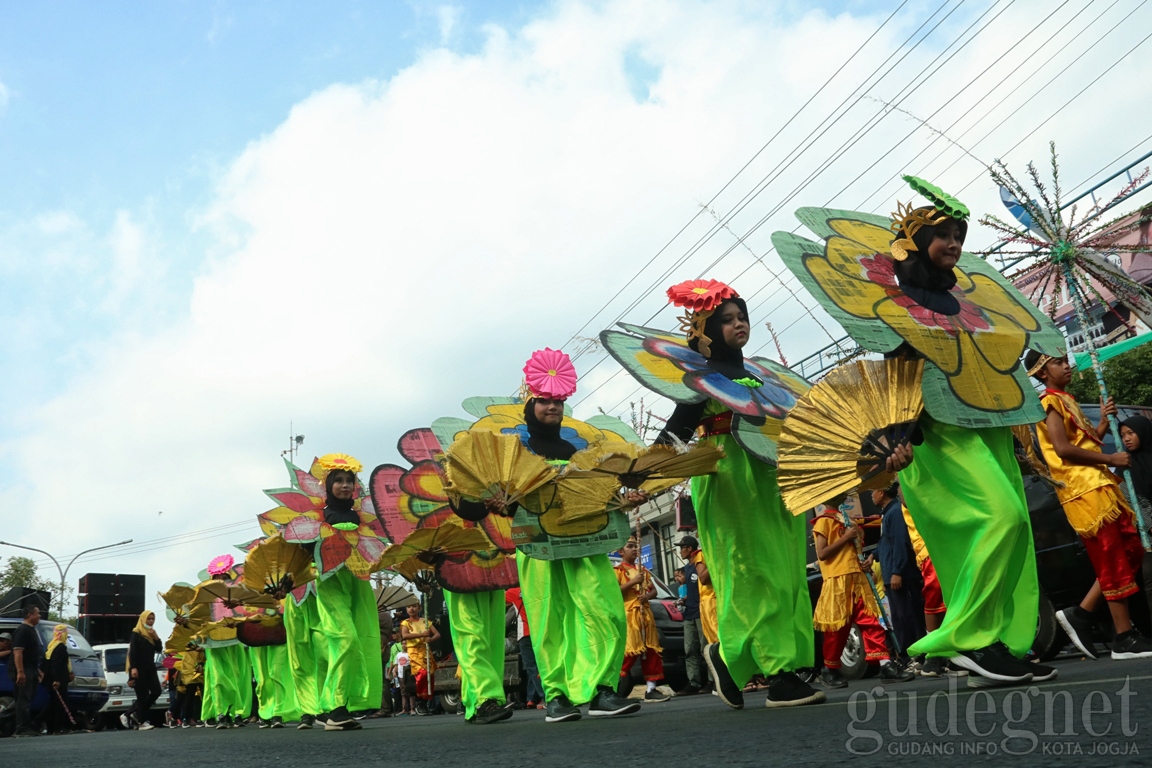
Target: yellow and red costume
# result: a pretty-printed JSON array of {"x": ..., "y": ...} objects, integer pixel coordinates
[
  {"x": 708, "y": 616},
  {"x": 420, "y": 660},
  {"x": 933, "y": 596},
  {"x": 642, "y": 639},
  {"x": 1092, "y": 500},
  {"x": 845, "y": 599}
]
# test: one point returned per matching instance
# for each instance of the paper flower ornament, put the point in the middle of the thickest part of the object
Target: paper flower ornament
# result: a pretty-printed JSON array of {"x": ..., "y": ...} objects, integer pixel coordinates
[
  {"x": 549, "y": 373},
  {"x": 700, "y": 295},
  {"x": 220, "y": 564},
  {"x": 331, "y": 461}
]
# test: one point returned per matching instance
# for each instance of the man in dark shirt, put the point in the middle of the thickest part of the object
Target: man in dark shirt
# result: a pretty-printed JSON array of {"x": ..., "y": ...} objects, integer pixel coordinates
[
  {"x": 24, "y": 669},
  {"x": 693, "y": 630},
  {"x": 902, "y": 580}
]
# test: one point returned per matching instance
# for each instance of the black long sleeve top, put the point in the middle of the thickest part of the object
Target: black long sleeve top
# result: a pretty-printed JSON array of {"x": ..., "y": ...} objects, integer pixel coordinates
[
  {"x": 142, "y": 655},
  {"x": 56, "y": 667}
]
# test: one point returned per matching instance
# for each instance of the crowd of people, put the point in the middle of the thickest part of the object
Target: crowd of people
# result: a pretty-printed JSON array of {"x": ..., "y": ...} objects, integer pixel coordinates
[{"x": 952, "y": 588}]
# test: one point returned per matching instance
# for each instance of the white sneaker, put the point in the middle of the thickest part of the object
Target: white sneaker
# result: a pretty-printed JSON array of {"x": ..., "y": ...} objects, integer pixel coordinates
[
  {"x": 146, "y": 726},
  {"x": 124, "y": 720}
]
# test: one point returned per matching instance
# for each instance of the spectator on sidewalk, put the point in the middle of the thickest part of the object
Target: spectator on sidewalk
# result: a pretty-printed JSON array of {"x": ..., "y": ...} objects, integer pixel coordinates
[
  {"x": 535, "y": 688},
  {"x": 24, "y": 669},
  {"x": 902, "y": 579},
  {"x": 693, "y": 627}
]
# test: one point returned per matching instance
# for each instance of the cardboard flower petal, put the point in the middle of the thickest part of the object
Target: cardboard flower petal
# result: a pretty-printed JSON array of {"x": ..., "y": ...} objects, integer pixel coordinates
[
  {"x": 549, "y": 373},
  {"x": 700, "y": 295},
  {"x": 220, "y": 564}
]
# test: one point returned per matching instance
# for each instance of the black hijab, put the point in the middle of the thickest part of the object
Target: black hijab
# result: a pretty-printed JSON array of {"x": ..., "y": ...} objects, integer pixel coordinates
[
  {"x": 544, "y": 439},
  {"x": 338, "y": 510},
  {"x": 721, "y": 357},
  {"x": 921, "y": 280},
  {"x": 1141, "y": 467}
]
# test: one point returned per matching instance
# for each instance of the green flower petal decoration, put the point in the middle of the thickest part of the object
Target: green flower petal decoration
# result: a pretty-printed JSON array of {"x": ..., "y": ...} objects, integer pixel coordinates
[
  {"x": 943, "y": 201},
  {"x": 748, "y": 382}
]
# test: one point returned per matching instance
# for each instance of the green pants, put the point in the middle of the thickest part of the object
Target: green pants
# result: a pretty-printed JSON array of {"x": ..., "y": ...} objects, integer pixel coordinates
[
  {"x": 275, "y": 693},
  {"x": 227, "y": 682},
  {"x": 477, "y": 623},
  {"x": 755, "y": 550},
  {"x": 576, "y": 616},
  {"x": 965, "y": 494},
  {"x": 350, "y": 624},
  {"x": 307, "y": 652}
]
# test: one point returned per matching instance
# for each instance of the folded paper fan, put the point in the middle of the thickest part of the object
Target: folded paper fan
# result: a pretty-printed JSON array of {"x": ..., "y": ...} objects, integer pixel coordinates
[
  {"x": 393, "y": 596},
  {"x": 232, "y": 595},
  {"x": 840, "y": 434},
  {"x": 178, "y": 596},
  {"x": 420, "y": 548},
  {"x": 275, "y": 565},
  {"x": 484, "y": 465},
  {"x": 636, "y": 465},
  {"x": 586, "y": 498},
  {"x": 179, "y": 639}
]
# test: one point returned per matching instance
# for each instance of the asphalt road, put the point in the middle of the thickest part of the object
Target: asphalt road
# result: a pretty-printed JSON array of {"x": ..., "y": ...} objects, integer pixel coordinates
[{"x": 1109, "y": 723}]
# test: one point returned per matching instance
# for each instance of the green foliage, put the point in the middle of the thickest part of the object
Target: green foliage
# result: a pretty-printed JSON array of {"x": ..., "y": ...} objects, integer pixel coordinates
[
  {"x": 21, "y": 572},
  {"x": 1128, "y": 377}
]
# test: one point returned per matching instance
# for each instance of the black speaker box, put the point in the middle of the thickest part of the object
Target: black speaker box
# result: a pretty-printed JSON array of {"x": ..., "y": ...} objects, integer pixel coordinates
[
  {"x": 99, "y": 604},
  {"x": 98, "y": 584},
  {"x": 13, "y": 601}
]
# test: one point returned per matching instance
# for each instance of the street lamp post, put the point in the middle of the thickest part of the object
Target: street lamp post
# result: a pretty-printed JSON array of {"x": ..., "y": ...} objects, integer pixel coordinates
[{"x": 64, "y": 571}]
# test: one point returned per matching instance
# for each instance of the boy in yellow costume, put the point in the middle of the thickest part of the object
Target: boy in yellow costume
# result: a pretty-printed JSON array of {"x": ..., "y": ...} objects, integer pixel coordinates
[
  {"x": 708, "y": 618},
  {"x": 642, "y": 639},
  {"x": 846, "y": 599},
  {"x": 417, "y": 633},
  {"x": 1095, "y": 506}
]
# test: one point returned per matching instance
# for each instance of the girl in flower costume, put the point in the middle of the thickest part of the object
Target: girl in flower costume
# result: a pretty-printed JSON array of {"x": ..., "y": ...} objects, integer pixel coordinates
[
  {"x": 754, "y": 547},
  {"x": 574, "y": 605},
  {"x": 227, "y": 669},
  {"x": 334, "y": 643},
  {"x": 918, "y": 296}
]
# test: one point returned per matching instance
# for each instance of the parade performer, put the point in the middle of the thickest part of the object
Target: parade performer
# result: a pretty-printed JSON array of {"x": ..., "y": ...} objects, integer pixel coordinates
[
  {"x": 1095, "y": 506},
  {"x": 191, "y": 666},
  {"x": 227, "y": 670},
  {"x": 708, "y": 616},
  {"x": 846, "y": 599},
  {"x": 412, "y": 499},
  {"x": 275, "y": 693},
  {"x": 754, "y": 547},
  {"x": 418, "y": 634},
  {"x": 572, "y": 600},
  {"x": 918, "y": 296},
  {"x": 642, "y": 640},
  {"x": 326, "y": 510}
]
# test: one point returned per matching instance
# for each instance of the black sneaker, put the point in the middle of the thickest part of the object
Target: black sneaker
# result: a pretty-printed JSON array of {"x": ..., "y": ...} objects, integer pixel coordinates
[
  {"x": 306, "y": 722},
  {"x": 560, "y": 710},
  {"x": 238, "y": 722},
  {"x": 491, "y": 711},
  {"x": 1078, "y": 624},
  {"x": 785, "y": 689},
  {"x": 894, "y": 674},
  {"x": 976, "y": 680},
  {"x": 989, "y": 662},
  {"x": 832, "y": 678},
  {"x": 656, "y": 695},
  {"x": 223, "y": 722},
  {"x": 933, "y": 667},
  {"x": 276, "y": 722},
  {"x": 1131, "y": 645},
  {"x": 726, "y": 687},
  {"x": 608, "y": 703},
  {"x": 26, "y": 733},
  {"x": 340, "y": 720},
  {"x": 262, "y": 723},
  {"x": 688, "y": 690}
]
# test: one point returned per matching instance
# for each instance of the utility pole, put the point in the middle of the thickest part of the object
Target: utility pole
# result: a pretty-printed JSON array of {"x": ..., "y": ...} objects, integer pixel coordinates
[
  {"x": 64, "y": 571},
  {"x": 294, "y": 443}
]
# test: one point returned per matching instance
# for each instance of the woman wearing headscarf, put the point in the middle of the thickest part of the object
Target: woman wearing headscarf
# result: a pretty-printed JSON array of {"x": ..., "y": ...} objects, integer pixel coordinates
[
  {"x": 57, "y": 674},
  {"x": 1136, "y": 433},
  {"x": 141, "y": 665},
  {"x": 227, "y": 695}
]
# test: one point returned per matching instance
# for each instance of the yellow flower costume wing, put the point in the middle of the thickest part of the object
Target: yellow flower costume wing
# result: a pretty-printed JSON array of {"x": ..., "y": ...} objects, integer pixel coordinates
[
  {"x": 664, "y": 363},
  {"x": 973, "y": 376},
  {"x": 275, "y": 564},
  {"x": 539, "y": 528}
]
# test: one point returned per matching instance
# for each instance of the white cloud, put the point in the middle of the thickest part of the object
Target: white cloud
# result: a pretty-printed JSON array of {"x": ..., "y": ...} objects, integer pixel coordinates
[
  {"x": 395, "y": 246},
  {"x": 448, "y": 17},
  {"x": 4, "y": 95}
]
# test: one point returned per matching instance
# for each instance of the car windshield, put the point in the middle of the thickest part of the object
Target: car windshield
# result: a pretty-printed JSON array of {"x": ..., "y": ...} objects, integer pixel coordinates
[
  {"x": 78, "y": 647},
  {"x": 115, "y": 659}
]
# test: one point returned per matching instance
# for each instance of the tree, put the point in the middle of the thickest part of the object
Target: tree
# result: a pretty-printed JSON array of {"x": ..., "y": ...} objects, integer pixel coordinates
[
  {"x": 1128, "y": 376},
  {"x": 21, "y": 572}
]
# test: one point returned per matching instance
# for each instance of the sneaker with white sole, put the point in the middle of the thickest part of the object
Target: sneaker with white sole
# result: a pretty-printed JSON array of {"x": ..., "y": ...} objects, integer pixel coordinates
[
  {"x": 1131, "y": 645},
  {"x": 990, "y": 662},
  {"x": 146, "y": 726},
  {"x": 726, "y": 687},
  {"x": 1078, "y": 624},
  {"x": 608, "y": 703},
  {"x": 561, "y": 710},
  {"x": 786, "y": 689}
]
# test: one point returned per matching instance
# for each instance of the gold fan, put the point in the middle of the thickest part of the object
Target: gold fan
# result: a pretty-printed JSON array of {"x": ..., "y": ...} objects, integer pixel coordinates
[
  {"x": 394, "y": 596},
  {"x": 584, "y": 499},
  {"x": 179, "y": 639},
  {"x": 178, "y": 596},
  {"x": 275, "y": 565},
  {"x": 420, "y": 549},
  {"x": 484, "y": 465},
  {"x": 840, "y": 434},
  {"x": 635, "y": 465},
  {"x": 232, "y": 595}
]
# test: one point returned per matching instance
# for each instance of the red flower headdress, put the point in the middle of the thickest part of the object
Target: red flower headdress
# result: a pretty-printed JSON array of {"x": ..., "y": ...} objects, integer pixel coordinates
[{"x": 700, "y": 298}]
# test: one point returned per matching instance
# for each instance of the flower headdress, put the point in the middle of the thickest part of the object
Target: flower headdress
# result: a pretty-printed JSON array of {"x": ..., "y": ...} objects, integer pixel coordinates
[
  {"x": 907, "y": 220},
  {"x": 331, "y": 461},
  {"x": 700, "y": 298},
  {"x": 220, "y": 564},
  {"x": 549, "y": 373}
]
